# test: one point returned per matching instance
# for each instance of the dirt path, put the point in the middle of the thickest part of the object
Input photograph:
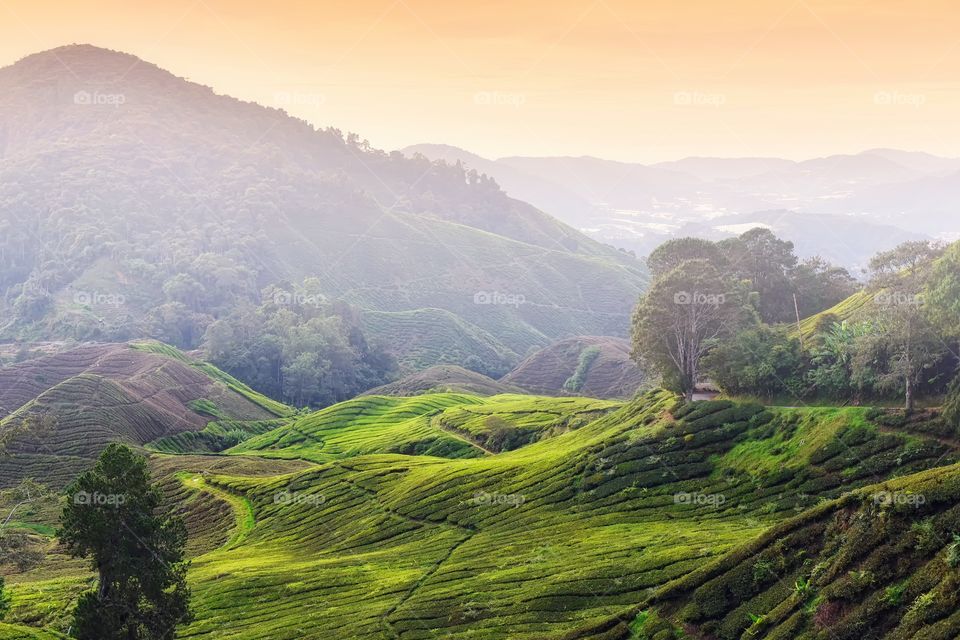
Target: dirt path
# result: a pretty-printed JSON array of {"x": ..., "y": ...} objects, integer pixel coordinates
[{"x": 244, "y": 520}]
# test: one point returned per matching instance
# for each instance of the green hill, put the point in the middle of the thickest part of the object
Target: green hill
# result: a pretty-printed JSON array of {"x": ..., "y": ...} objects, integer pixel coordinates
[
  {"x": 184, "y": 204},
  {"x": 846, "y": 310},
  {"x": 57, "y": 412},
  {"x": 568, "y": 536}
]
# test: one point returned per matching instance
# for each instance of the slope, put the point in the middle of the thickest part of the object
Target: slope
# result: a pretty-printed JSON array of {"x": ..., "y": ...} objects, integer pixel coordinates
[
  {"x": 57, "y": 412},
  {"x": 561, "y": 538},
  {"x": 444, "y": 378},
  {"x": 171, "y": 184},
  {"x": 587, "y": 365}
]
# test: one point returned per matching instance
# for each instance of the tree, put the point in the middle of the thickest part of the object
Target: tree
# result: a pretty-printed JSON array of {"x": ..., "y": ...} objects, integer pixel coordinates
[
  {"x": 951, "y": 409},
  {"x": 943, "y": 292},
  {"x": 759, "y": 361},
  {"x": 832, "y": 359},
  {"x": 4, "y": 600},
  {"x": 680, "y": 318},
  {"x": 820, "y": 285},
  {"x": 766, "y": 261},
  {"x": 113, "y": 517},
  {"x": 672, "y": 253},
  {"x": 911, "y": 344}
]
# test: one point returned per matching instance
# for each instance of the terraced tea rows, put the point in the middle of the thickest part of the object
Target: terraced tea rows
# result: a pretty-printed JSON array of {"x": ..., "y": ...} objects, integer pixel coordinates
[
  {"x": 90, "y": 396},
  {"x": 566, "y": 537}
]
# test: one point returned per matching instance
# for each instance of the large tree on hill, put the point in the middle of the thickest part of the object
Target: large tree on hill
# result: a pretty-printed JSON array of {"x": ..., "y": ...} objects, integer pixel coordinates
[
  {"x": 766, "y": 261},
  {"x": 681, "y": 317},
  {"x": 943, "y": 292},
  {"x": 907, "y": 340},
  {"x": 672, "y": 253},
  {"x": 113, "y": 517},
  {"x": 820, "y": 285}
]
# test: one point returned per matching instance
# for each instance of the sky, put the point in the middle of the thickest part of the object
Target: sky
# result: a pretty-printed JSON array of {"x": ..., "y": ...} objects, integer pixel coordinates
[{"x": 631, "y": 80}]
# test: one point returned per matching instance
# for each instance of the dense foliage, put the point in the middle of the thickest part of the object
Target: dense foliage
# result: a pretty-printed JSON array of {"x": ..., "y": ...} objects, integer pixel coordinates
[
  {"x": 686, "y": 312},
  {"x": 902, "y": 341},
  {"x": 181, "y": 206},
  {"x": 305, "y": 354},
  {"x": 112, "y": 517}
]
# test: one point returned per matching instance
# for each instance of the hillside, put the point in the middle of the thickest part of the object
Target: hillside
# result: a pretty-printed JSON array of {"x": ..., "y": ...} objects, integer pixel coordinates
[
  {"x": 884, "y": 558},
  {"x": 57, "y": 412},
  {"x": 567, "y": 536},
  {"x": 175, "y": 205},
  {"x": 447, "y": 378},
  {"x": 588, "y": 365}
]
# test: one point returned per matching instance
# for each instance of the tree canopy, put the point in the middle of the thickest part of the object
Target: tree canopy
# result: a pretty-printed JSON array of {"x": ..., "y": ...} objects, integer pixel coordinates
[{"x": 113, "y": 516}]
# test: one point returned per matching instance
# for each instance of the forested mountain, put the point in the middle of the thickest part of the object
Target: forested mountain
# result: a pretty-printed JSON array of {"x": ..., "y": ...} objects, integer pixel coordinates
[{"x": 134, "y": 202}]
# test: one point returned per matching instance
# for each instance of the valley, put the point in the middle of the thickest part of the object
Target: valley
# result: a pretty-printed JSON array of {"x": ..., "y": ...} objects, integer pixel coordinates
[{"x": 262, "y": 379}]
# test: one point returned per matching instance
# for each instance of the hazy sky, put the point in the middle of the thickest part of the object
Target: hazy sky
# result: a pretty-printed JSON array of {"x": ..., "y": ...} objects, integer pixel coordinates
[{"x": 622, "y": 79}]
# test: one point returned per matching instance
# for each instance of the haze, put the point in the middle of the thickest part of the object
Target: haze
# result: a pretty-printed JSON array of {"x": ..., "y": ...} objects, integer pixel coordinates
[{"x": 636, "y": 81}]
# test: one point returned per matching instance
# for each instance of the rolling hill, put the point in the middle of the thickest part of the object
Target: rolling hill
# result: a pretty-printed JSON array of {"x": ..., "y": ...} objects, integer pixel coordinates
[
  {"x": 593, "y": 366},
  {"x": 638, "y": 517},
  {"x": 57, "y": 412},
  {"x": 444, "y": 378},
  {"x": 175, "y": 205}
]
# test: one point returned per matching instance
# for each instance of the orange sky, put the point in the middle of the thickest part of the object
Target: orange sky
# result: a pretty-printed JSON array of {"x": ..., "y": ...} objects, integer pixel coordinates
[{"x": 622, "y": 79}]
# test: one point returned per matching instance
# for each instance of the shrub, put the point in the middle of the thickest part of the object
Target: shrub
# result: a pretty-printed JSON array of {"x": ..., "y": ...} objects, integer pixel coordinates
[{"x": 953, "y": 552}]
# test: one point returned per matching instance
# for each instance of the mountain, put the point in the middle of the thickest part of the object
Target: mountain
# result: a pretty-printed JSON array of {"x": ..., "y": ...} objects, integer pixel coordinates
[
  {"x": 872, "y": 195},
  {"x": 593, "y": 366},
  {"x": 560, "y": 518},
  {"x": 57, "y": 412},
  {"x": 551, "y": 195},
  {"x": 173, "y": 205}
]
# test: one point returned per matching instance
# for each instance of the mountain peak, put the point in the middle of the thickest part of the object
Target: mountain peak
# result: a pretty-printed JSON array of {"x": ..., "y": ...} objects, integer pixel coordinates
[{"x": 83, "y": 55}]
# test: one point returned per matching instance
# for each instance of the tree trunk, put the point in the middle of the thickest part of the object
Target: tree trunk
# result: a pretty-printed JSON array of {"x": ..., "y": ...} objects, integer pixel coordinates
[{"x": 909, "y": 402}]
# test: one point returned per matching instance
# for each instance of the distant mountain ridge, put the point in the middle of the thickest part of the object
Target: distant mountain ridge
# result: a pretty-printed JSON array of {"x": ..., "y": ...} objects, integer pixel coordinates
[{"x": 889, "y": 195}]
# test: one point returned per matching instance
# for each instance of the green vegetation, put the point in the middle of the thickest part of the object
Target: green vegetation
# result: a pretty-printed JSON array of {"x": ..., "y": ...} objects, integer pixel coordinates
[
  {"x": 597, "y": 366},
  {"x": 112, "y": 517},
  {"x": 564, "y": 536},
  {"x": 326, "y": 220},
  {"x": 587, "y": 357},
  {"x": 891, "y": 339},
  {"x": 271, "y": 405}
]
